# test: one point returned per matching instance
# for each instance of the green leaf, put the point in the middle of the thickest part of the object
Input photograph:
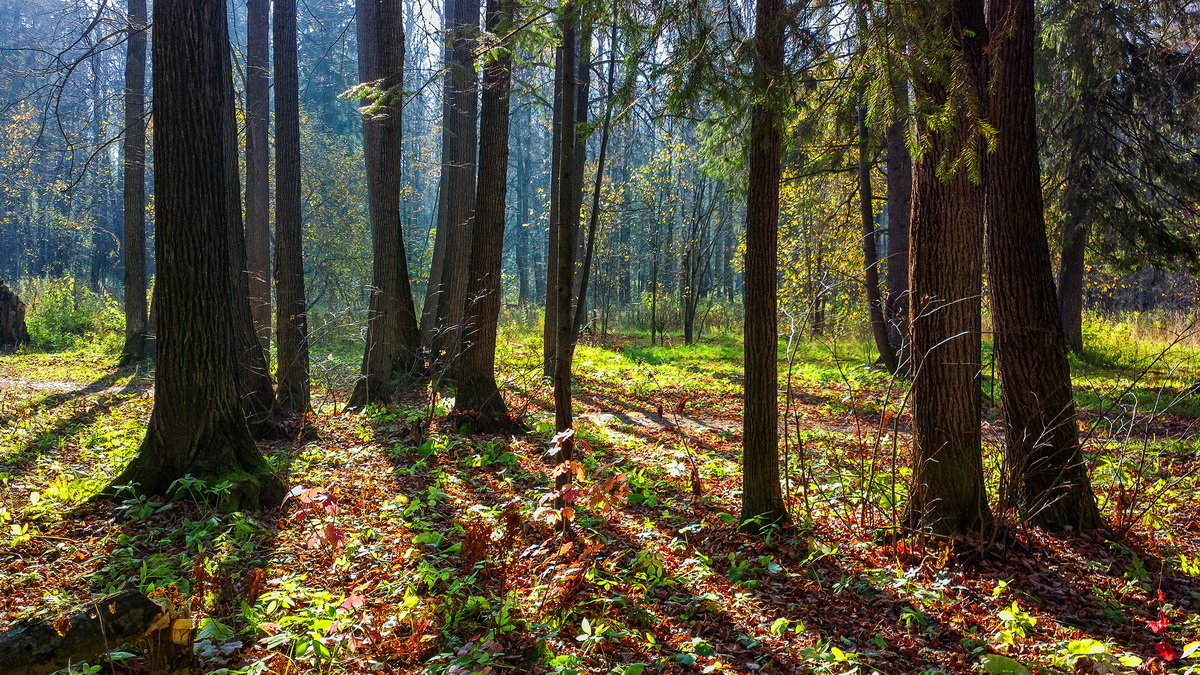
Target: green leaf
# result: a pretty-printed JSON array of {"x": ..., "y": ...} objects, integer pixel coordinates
[
  {"x": 1086, "y": 647},
  {"x": 1002, "y": 665},
  {"x": 634, "y": 669}
]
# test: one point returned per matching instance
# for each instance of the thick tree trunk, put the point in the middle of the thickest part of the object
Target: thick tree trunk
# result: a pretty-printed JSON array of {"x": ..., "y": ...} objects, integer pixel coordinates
[
  {"x": 870, "y": 246},
  {"x": 459, "y": 150},
  {"x": 393, "y": 337},
  {"x": 134, "y": 199},
  {"x": 1044, "y": 465},
  {"x": 945, "y": 257},
  {"x": 13, "y": 333},
  {"x": 762, "y": 497},
  {"x": 198, "y": 427},
  {"x": 291, "y": 321},
  {"x": 477, "y": 389},
  {"x": 258, "y": 161}
]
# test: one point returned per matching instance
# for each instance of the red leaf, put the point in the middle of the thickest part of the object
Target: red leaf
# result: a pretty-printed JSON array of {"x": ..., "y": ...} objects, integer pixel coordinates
[
  {"x": 1162, "y": 597},
  {"x": 335, "y": 536},
  {"x": 1166, "y": 651},
  {"x": 354, "y": 601},
  {"x": 1159, "y": 625}
]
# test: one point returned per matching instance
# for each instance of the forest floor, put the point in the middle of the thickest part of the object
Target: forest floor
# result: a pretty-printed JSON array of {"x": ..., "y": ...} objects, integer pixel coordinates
[{"x": 411, "y": 546}]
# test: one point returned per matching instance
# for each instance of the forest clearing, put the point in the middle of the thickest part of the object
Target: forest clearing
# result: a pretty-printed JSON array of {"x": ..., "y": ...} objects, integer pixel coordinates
[
  {"x": 410, "y": 545},
  {"x": 564, "y": 337}
]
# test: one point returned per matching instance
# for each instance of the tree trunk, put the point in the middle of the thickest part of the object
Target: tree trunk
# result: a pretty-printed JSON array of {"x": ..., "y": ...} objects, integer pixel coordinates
[
  {"x": 945, "y": 257},
  {"x": 870, "y": 245},
  {"x": 1046, "y": 472},
  {"x": 13, "y": 333},
  {"x": 1070, "y": 274},
  {"x": 134, "y": 207},
  {"x": 550, "y": 323},
  {"x": 393, "y": 337},
  {"x": 198, "y": 427},
  {"x": 258, "y": 163},
  {"x": 899, "y": 205},
  {"x": 568, "y": 225},
  {"x": 477, "y": 388},
  {"x": 40, "y": 647},
  {"x": 291, "y": 322},
  {"x": 253, "y": 376},
  {"x": 459, "y": 151},
  {"x": 762, "y": 497},
  {"x": 589, "y": 251}
]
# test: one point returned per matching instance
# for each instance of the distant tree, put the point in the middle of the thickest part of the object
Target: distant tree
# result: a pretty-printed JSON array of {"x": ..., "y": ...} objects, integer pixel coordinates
[
  {"x": 393, "y": 338},
  {"x": 1044, "y": 465},
  {"x": 477, "y": 390},
  {"x": 291, "y": 321},
  {"x": 870, "y": 247},
  {"x": 134, "y": 162},
  {"x": 762, "y": 497},
  {"x": 258, "y": 165},
  {"x": 198, "y": 427},
  {"x": 1121, "y": 145},
  {"x": 946, "y": 260}
]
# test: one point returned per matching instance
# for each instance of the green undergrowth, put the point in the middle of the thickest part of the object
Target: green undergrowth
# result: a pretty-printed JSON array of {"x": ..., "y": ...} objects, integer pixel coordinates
[{"x": 407, "y": 546}]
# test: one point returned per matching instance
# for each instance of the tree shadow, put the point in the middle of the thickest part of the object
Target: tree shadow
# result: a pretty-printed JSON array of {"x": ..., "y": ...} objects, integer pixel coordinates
[{"x": 65, "y": 428}]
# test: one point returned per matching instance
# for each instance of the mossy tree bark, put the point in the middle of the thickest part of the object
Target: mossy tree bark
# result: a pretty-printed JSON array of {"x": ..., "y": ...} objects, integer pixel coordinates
[
  {"x": 1044, "y": 465},
  {"x": 198, "y": 427},
  {"x": 762, "y": 497}
]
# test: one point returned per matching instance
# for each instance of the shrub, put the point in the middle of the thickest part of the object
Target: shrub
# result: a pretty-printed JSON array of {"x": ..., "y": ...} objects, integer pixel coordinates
[{"x": 63, "y": 314}]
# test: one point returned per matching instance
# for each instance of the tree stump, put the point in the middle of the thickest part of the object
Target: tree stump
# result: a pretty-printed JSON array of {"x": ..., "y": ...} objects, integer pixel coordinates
[{"x": 13, "y": 334}]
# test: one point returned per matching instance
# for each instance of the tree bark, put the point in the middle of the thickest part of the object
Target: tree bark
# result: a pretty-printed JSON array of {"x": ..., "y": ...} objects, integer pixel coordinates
[
  {"x": 198, "y": 427},
  {"x": 253, "y": 376},
  {"x": 134, "y": 198},
  {"x": 762, "y": 497},
  {"x": 899, "y": 199},
  {"x": 13, "y": 333},
  {"x": 39, "y": 647},
  {"x": 459, "y": 151},
  {"x": 550, "y": 323},
  {"x": 477, "y": 390},
  {"x": 1044, "y": 464},
  {"x": 945, "y": 264},
  {"x": 1071, "y": 270},
  {"x": 568, "y": 226},
  {"x": 585, "y": 271},
  {"x": 870, "y": 246},
  {"x": 393, "y": 337},
  {"x": 291, "y": 321},
  {"x": 258, "y": 165}
]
